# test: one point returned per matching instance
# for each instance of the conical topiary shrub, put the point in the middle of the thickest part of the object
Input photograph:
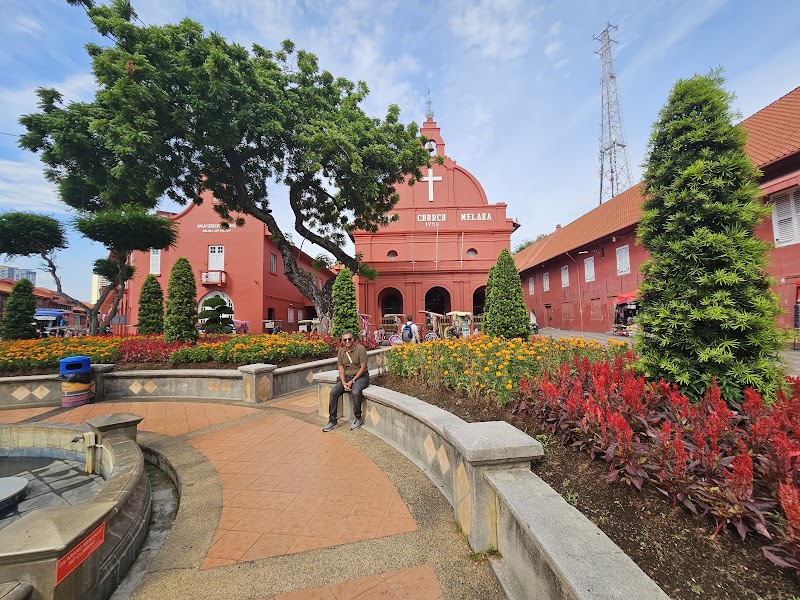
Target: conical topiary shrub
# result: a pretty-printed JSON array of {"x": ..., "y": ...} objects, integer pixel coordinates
[
  {"x": 18, "y": 323},
  {"x": 180, "y": 319},
  {"x": 506, "y": 315},
  {"x": 345, "y": 311},
  {"x": 151, "y": 307}
]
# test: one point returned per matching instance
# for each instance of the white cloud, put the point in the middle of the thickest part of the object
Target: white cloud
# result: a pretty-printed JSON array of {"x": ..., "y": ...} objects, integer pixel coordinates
[
  {"x": 23, "y": 187},
  {"x": 496, "y": 29},
  {"x": 555, "y": 29},
  {"x": 560, "y": 64},
  {"x": 28, "y": 25},
  {"x": 551, "y": 49}
]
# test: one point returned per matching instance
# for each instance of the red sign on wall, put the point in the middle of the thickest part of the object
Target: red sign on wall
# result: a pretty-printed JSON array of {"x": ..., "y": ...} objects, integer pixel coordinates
[{"x": 70, "y": 561}]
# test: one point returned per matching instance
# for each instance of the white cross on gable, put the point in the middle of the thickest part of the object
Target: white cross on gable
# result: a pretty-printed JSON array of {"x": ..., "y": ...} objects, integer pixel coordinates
[{"x": 430, "y": 179}]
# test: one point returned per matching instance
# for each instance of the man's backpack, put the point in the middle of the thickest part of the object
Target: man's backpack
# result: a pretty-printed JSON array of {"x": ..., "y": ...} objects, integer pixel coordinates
[{"x": 407, "y": 334}]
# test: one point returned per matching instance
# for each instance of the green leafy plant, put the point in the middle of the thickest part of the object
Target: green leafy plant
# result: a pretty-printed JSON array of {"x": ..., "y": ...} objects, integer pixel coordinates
[
  {"x": 345, "y": 312},
  {"x": 18, "y": 323},
  {"x": 181, "y": 314},
  {"x": 215, "y": 311},
  {"x": 506, "y": 315},
  {"x": 707, "y": 310},
  {"x": 151, "y": 307}
]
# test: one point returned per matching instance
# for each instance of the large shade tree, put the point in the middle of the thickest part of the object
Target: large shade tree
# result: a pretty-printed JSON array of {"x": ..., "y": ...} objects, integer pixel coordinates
[
  {"x": 707, "y": 311},
  {"x": 185, "y": 111},
  {"x": 111, "y": 191}
]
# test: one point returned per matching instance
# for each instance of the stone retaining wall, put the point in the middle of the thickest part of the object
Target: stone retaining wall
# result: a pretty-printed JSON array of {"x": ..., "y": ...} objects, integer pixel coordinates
[
  {"x": 547, "y": 548},
  {"x": 249, "y": 383},
  {"x": 31, "y": 547}
]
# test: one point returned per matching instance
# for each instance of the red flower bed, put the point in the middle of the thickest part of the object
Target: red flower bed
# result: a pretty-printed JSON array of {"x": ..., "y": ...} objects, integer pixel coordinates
[
  {"x": 740, "y": 464},
  {"x": 147, "y": 349}
]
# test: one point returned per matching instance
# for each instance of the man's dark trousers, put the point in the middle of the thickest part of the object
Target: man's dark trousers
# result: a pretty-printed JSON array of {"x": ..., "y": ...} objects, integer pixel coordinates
[{"x": 355, "y": 392}]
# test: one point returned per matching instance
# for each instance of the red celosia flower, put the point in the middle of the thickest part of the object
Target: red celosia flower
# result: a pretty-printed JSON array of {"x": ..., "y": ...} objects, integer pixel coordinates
[
  {"x": 789, "y": 497},
  {"x": 740, "y": 481}
]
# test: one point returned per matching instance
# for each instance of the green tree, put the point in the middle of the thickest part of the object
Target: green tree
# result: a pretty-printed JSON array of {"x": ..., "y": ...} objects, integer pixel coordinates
[
  {"x": 345, "y": 311},
  {"x": 111, "y": 190},
  {"x": 180, "y": 318},
  {"x": 506, "y": 314},
  {"x": 151, "y": 307},
  {"x": 183, "y": 111},
  {"x": 18, "y": 323},
  {"x": 216, "y": 313},
  {"x": 707, "y": 310}
]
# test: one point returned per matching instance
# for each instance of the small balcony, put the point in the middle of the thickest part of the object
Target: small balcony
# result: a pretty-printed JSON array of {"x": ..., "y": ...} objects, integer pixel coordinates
[{"x": 213, "y": 278}]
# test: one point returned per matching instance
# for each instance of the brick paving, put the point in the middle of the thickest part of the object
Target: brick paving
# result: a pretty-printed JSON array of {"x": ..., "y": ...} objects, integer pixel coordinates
[
  {"x": 304, "y": 402},
  {"x": 15, "y": 415},
  {"x": 288, "y": 487},
  {"x": 168, "y": 418},
  {"x": 417, "y": 583}
]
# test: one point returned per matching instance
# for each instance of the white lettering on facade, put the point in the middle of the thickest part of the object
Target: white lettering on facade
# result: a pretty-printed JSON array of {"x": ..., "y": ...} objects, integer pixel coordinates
[
  {"x": 476, "y": 216},
  {"x": 425, "y": 217},
  {"x": 214, "y": 228}
]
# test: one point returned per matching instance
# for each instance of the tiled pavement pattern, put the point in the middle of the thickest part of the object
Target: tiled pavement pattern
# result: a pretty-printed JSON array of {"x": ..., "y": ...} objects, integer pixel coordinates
[
  {"x": 15, "y": 415},
  {"x": 304, "y": 402},
  {"x": 169, "y": 418},
  {"x": 52, "y": 483},
  {"x": 417, "y": 583},
  {"x": 289, "y": 487}
]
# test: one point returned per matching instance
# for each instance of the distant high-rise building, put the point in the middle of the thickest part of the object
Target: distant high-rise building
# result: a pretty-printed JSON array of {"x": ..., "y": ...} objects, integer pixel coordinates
[
  {"x": 25, "y": 274},
  {"x": 15, "y": 273}
]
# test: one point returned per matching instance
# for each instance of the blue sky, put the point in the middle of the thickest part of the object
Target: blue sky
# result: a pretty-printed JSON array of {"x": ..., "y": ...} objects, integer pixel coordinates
[{"x": 514, "y": 83}]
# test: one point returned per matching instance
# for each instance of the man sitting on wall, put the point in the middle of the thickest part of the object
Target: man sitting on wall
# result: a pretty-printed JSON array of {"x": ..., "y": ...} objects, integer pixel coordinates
[{"x": 353, "y": 378}]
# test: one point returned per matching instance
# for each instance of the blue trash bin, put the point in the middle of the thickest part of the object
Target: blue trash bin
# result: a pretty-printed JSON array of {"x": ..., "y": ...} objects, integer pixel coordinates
[{"x": 75, "y": 374}]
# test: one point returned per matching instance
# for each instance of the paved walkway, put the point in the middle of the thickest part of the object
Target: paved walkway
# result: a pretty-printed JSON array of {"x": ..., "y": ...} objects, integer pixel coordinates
[
  {"x": 296, "y": 514},
  {"x": 791, "y": 357}
]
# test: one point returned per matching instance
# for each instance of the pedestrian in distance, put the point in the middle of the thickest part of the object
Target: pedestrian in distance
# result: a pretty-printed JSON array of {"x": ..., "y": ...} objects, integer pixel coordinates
[
  {"x": 410, "y": 332},
  {"x": 353, "y": 378}
]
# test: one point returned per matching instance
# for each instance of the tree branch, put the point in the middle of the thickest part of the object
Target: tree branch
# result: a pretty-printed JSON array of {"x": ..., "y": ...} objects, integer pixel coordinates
[{"x": 295, "y": 191}]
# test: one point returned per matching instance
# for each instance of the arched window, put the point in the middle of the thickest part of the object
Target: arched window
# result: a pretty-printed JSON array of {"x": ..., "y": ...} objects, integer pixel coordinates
[
  {"x": 472, "y": 253},
  {"x": 391, "y": 254}
]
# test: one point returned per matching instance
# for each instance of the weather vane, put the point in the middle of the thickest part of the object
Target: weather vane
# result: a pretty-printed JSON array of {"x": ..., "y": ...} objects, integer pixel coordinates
[{"x": 429, "y": 112}]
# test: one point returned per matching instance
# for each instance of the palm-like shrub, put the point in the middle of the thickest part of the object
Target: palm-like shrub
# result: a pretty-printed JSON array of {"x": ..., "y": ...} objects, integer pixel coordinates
[
  {"x": 707, "y": 311},
  {"x": 151, "y": 307},
  {"x": 18, "y": 323},
  {"x": 506, "y": 315},
  {"x": 345, "y": 311},
  {"x": 181, "y": 314},
  {"x": 216, "y": 313}
]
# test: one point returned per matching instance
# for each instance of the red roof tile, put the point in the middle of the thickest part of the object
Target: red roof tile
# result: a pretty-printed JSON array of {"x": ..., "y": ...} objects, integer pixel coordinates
[
  {"x": 618, "y": 213},
  {"x": 773, "y": 132}
]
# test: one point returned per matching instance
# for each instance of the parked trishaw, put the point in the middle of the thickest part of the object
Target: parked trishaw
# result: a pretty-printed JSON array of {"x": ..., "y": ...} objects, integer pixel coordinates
[
  {"x": 363, "y": 319},
  {"x": 389, "y": 331},
  {"x": 435, "y": 326},
  {"x": 56, "y": 322},
  {"x": 459, "y": 324},
  {"x": 273, "y": 325},
  {"x": 308, "y": 325}
]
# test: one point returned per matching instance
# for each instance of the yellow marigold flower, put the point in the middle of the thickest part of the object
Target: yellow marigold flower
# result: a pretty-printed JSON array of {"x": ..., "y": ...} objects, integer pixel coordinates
[
  {"x": 499, "y": 374},
  {"x": 509, "y": 386},
  {"x": 447, "y": 372},
  {"x": 485, "y": 369}
]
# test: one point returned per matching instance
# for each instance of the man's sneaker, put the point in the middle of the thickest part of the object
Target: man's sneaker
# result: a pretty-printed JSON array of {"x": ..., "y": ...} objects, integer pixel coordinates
[
  {"x": 330, "y": 426},
  {"x": 356, "y": 424}
]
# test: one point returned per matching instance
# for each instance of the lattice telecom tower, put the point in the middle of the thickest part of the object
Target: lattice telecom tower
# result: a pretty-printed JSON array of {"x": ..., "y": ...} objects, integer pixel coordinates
[{"x": 615, "y": 168}]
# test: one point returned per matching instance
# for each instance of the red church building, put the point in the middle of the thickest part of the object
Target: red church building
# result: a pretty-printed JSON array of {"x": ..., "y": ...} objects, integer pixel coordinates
[
  {"x": 241, "y": 265},
  {"x": 437, "y": 253},
  {"x": 575, "y": 277}
]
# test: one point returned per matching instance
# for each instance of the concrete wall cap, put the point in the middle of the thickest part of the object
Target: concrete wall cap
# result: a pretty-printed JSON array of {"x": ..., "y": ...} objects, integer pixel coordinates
[
  {"x": 113, "y": 421},
  {"x": 427, "y": 414},
  {"x": 257, "y": 368},
  {"x": 176, "y": 373},
  {"x": 492, "y": 441},
  {"x": 103, "y": 367},
  {"x": 585, "y": 560},
  {"x": 25, "y": 378}
]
